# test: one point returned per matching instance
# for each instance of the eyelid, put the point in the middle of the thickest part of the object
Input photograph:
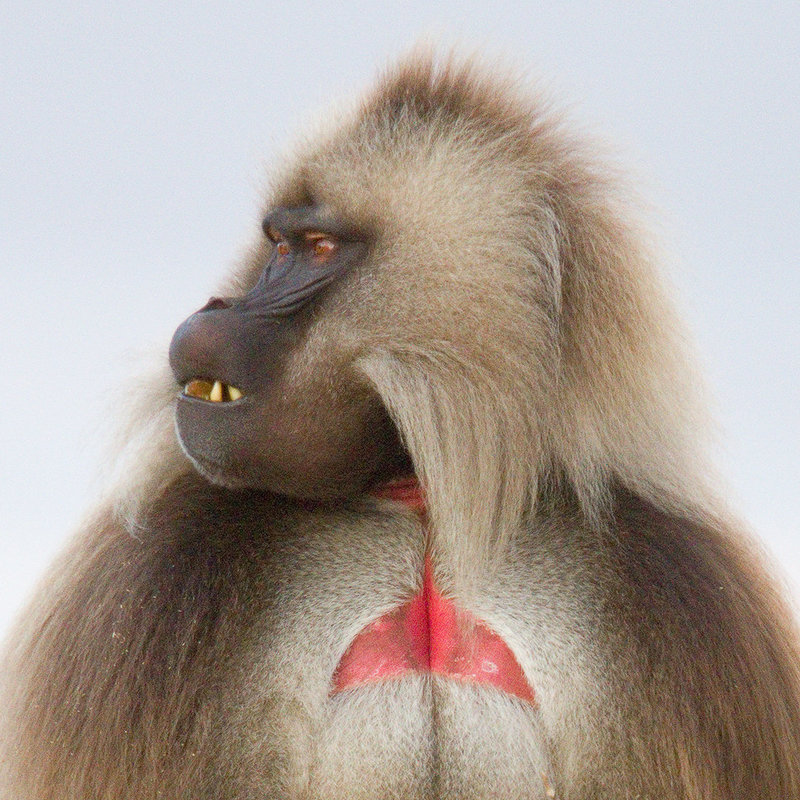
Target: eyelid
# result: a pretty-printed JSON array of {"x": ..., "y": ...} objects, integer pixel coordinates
[
  {"x": 315, "y": 236},
  {"x": 276, "y": 236}
]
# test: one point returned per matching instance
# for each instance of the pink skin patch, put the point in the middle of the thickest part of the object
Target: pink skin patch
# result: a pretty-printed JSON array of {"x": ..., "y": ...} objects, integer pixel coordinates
[{"x": 429, "y": 634}]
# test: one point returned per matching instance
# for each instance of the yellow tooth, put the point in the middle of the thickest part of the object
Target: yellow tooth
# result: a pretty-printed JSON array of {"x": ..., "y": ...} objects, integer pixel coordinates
[
  {"x": 215, "y": 395},
  {"x": 234, "y": 393}
]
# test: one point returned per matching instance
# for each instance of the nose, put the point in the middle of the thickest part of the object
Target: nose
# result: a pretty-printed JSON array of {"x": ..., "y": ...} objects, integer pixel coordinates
[
  {"x": 204, "y": 345},
  {"x": 214, "y": 304}
]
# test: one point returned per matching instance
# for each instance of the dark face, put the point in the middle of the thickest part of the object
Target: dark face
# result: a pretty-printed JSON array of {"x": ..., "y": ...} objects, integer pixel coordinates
[{"x": 256, "y": 410}]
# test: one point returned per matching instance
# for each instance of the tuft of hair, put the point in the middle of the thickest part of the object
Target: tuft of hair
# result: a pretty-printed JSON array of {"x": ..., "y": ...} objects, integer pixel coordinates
[{"x": 529, "y": 347}]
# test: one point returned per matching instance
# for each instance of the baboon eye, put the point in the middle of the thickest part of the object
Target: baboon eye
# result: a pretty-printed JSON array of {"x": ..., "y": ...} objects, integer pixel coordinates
[
  {"x": 283, "y": 247},
  {"x": 323, "y": 247}
]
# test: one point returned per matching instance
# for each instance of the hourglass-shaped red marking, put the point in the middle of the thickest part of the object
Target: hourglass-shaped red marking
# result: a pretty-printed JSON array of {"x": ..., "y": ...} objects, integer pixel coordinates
[{"x": 429, "y": 634}]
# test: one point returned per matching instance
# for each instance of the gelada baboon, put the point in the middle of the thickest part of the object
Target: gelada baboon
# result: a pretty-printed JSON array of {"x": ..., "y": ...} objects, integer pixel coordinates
[{"x": 436, "y": 522}]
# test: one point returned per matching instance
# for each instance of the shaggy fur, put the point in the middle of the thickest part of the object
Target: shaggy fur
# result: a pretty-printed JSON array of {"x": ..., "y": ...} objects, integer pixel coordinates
[{"x": 510, "y": 320}]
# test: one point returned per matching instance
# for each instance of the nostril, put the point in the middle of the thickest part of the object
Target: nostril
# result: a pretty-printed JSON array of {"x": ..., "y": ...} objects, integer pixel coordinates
[{"x": 214, "y": 304}]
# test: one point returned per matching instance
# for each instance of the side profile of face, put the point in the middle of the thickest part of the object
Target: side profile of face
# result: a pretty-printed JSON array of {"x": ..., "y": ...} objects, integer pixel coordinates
[
  {"x": 354, "y": 277},
  {"x": 248, "y": 416}
]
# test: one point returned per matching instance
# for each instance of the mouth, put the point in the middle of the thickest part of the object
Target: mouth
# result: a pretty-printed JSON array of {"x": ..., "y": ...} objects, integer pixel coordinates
[{"x": 212, "y": 391}]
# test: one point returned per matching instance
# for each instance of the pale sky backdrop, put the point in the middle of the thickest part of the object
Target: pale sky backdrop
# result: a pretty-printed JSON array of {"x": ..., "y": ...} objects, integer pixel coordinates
[{"x": 134, "y": 139}]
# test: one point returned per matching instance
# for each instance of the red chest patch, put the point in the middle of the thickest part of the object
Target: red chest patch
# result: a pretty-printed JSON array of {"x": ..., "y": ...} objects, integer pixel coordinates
[{"x": 429, "y": 634}]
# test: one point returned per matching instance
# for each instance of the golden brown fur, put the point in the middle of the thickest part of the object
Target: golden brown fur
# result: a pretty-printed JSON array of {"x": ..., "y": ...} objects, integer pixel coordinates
[{"x": 510, "y": 320}]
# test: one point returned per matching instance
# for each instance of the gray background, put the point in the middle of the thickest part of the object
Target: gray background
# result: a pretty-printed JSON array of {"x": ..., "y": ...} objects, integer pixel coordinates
[{"x": 134, "y": 139}]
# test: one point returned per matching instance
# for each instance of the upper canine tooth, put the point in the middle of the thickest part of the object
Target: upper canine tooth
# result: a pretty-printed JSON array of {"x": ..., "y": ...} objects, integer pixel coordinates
[
  {"x": 215, "y": 395},
  {"x": 234, "y": 393}
]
